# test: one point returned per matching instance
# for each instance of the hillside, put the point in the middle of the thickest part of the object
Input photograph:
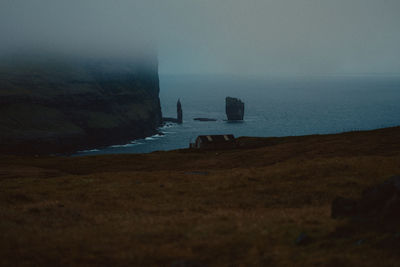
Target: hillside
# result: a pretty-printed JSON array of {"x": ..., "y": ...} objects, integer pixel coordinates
[
  {"x": 55, "y": 103},
  {"x": 243, "y": 207}
]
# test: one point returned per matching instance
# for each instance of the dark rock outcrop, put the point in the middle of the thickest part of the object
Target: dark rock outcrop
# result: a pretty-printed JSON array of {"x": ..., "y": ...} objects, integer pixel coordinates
[
  {"x": 378, "y": 204},
  {"x": 234, "y": 109},
  {"x": 59, "y": 105},
  {"x": 204, "y": 119}
]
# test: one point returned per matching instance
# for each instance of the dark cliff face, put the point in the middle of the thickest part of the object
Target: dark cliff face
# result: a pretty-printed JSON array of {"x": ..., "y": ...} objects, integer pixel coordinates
[{"x": 65, "y": 105}]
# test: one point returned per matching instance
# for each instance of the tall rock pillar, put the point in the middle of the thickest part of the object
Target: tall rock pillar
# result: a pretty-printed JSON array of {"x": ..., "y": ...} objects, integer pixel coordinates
[{"x": 179, "y": 111}]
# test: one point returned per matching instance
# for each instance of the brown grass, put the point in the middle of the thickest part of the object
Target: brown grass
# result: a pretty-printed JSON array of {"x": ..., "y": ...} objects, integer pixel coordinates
[{"x": 241, "y": 207}]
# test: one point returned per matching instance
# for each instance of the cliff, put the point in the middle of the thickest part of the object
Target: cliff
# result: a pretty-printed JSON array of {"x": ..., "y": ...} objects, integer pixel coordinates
[{"x": 59, "y": 104}]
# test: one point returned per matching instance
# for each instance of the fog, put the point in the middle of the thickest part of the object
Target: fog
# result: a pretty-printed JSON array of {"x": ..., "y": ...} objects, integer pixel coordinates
[{"x": 252, "y": 37}]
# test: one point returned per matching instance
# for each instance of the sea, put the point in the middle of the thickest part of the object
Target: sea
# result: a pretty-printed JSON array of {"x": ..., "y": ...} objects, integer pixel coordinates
[{"x": 273, "y": 107}]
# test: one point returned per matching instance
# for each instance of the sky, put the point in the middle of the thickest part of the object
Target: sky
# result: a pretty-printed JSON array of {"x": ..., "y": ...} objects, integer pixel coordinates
[{"x": 252, "y": 37}]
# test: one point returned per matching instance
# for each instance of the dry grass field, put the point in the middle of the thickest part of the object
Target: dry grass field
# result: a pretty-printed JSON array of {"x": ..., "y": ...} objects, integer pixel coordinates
[{"x": 242, "y": 207}]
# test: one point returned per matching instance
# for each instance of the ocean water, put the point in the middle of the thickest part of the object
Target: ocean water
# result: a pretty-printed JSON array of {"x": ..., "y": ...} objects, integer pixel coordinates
[{"x": 273, "y": 107}]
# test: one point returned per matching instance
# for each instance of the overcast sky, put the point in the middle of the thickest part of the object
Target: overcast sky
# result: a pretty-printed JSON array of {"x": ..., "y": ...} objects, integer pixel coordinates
[{"x": 258, "y": 37}]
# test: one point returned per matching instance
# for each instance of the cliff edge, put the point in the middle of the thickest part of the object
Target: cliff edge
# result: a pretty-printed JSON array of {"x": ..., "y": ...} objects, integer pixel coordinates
[{"x": 61, "y": 105}]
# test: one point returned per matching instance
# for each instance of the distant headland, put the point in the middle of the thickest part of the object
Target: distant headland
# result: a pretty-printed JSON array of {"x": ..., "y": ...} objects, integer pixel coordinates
[{"x": 59, "y": 105}]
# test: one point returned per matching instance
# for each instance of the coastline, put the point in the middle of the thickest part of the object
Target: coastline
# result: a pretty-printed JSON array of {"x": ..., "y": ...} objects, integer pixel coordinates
[
  {"x": 66, "y": 104},
  {"x": 69, "y": 146}
]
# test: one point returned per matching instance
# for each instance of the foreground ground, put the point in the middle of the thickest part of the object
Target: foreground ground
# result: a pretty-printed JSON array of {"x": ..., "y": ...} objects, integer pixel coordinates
[{"x": 232, "y": 208}]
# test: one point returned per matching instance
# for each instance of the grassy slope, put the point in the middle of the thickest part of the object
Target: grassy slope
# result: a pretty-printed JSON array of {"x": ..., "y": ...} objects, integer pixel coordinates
[{"x": 242, "y": 207}]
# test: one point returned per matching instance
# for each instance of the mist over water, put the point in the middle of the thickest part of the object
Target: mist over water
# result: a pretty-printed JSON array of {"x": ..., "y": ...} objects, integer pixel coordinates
[
  {"x": 253, "y": 37},
  {"x": 274, "y": 107}
]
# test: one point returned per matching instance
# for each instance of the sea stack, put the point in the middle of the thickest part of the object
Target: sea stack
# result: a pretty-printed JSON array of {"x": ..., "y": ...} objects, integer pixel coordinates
[
  {"x": 179, "y": 111},
  {"x": 234, "y": 109}
]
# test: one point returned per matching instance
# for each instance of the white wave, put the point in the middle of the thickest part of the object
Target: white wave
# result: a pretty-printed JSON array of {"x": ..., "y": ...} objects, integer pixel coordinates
[
  {"x": 168, "y": 125},
  {"x": 126, "y": 145},
  {"x": 89, "y": 151}
]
